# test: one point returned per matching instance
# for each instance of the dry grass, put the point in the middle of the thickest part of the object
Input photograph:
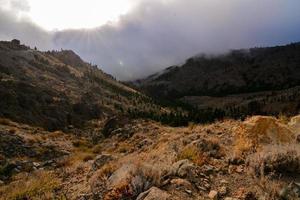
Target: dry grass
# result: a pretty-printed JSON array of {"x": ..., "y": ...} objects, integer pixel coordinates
[
  {"x": 122, "y": 191},
  {"x": 283, "y": 118},
  {"x": 40, "y": 185},
  {"x": 12, "y": 130},
  {"x": 56, "y": 134},
  {"x": 268, "y": 188},
  {"x": 97, "y": 149},
  {"x": 124, "y": 147},
  {"x": 4, "y": 121},
  {"x": 193, "y": 154},
  {"x": 276, "y": 159},
  {"x": 258, "y": 131}
]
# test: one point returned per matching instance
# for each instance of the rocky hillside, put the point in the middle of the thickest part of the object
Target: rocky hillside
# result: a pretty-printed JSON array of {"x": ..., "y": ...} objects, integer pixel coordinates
[
  {"x": 232, "y": 160},
  {"x": 240, "y": 83},
  {"x": 57, "y": 89},
  {"x": 240, "y": 71}
]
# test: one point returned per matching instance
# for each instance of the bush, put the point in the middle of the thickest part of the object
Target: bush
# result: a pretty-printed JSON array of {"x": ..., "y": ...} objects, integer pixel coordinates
[
  {"x": 276, "y": 159},
  {"x": 193, "y": 154}
]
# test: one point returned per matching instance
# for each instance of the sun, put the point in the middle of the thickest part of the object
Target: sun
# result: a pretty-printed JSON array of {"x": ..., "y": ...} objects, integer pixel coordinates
[{"x": 74, "y": 14}]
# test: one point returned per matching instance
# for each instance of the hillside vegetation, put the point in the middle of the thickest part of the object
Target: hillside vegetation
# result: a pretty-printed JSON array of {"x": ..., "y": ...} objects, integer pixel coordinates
[{"x": 239, "y": 83}]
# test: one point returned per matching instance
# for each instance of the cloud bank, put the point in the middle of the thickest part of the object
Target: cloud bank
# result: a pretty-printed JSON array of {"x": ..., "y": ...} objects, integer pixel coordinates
[{"x": 160, "y": 33}]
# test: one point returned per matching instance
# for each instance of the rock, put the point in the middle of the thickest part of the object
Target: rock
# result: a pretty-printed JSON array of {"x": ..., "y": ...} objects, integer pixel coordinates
[
  {"x": 178, "y": 182},
  {"x": 235, "y": 161},
  {"x": 182, "y": 168},
  {"x": 121, "y": 175},
  {"x": 213, "y": 195},
  {"x": 207, "y": 169},
  {"x": 239, "y": 169},
  {"x": 153, "y": 193},
  {"x": 291, "y": 191},
  {"x": 188, "y": 191},
  {"x": 101, "y": 160},
  {"x": 137, "y": 178},
  {"x": 224, "y": 182},
  {"x": 223, "y": 191},
  {"x": 36, "y": 164}
]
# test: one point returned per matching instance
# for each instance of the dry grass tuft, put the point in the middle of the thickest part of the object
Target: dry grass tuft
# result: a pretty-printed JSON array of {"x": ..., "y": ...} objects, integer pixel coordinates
[
  {"x": 193, "y": 154},
  {"x": 40, "y": 185}
]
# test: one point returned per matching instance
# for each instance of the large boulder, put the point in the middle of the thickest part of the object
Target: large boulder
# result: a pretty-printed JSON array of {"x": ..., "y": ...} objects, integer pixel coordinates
[
  {"x": 133, "y": 179},
  {"x": 154, "y": 193}
]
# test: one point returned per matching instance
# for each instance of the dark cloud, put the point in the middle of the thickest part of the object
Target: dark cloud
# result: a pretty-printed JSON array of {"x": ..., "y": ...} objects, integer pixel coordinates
[
  {"x": 157, "y": 34},
  {"x": 12, "y": 26}
]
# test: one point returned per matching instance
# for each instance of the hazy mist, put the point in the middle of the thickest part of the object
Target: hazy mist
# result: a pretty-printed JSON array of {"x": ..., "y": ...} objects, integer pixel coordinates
[{"x": 157, "y": 34}]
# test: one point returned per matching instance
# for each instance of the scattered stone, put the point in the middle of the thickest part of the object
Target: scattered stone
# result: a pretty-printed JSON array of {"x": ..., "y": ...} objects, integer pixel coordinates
[
  {"x": 224, "y": 182},
  {"x": 207, "y": 169},
  {"x": 36, "y": 164},
  {"x": 188, "y": 191},
  {"x": 101, "y": 160},
  {"x": 235, "y": 161},
  {"x": 230, "y": 198},
  {"x": 213, "y": 195},
  {"x": 153, "y": 193}
]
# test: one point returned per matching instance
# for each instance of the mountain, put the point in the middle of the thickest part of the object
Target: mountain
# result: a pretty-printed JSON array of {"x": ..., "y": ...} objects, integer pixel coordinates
[
  {"x": 57, "y": 89},
  {"x": 70, "y": 131},
  {"x": 253, "y": 76}
]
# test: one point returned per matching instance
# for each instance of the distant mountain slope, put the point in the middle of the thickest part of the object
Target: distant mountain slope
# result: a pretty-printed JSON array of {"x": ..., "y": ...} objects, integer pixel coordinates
[
  {"x": 240, "y": 71},
  {"x": 56, "y": 89}
]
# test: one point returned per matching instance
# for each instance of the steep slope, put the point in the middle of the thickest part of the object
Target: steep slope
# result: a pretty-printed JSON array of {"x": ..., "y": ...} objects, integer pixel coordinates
[
  {"x": 57, "y": 89},
  {"x": 240, "y": 71},
  {"x": 255, "y": 72}
]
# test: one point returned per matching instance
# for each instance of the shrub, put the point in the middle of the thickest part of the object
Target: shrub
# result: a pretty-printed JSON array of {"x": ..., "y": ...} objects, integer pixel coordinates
[
  {"x": 276, "y": 159},
  {"x": 138, "y": 181},
  {"x": 193, "y": 154}
]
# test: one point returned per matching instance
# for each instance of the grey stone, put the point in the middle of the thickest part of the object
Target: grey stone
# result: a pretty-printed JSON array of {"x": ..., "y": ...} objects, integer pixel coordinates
[{"x": 154, "y": 193}]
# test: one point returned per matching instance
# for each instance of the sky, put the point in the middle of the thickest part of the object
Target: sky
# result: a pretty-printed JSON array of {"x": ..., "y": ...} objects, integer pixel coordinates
[{"x": 131, "y": 39}]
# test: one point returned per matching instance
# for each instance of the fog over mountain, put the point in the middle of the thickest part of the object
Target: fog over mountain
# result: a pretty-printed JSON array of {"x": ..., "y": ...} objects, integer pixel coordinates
[{"x": 158, "y": 33}]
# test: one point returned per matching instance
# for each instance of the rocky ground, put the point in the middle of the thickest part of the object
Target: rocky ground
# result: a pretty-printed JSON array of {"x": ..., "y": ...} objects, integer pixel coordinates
[{"x": 258, "y": 158}]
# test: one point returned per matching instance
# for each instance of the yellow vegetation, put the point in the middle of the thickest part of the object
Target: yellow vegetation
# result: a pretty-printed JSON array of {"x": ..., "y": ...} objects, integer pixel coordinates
[
  {"x": 39, "y": 185},
  {"x": 260, "y": 130},
  {"x": 193, "y": 154}
]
